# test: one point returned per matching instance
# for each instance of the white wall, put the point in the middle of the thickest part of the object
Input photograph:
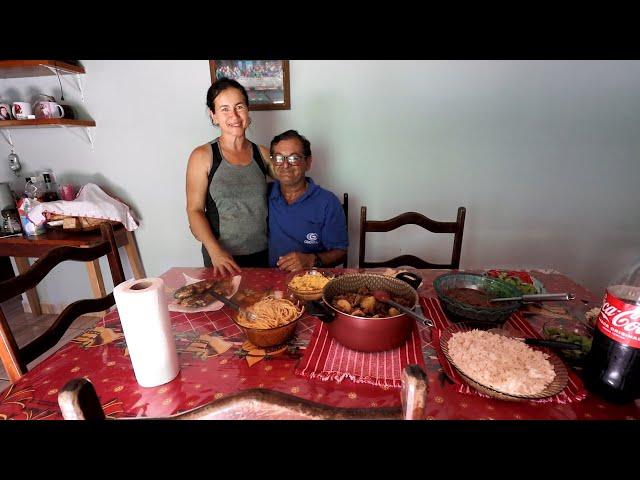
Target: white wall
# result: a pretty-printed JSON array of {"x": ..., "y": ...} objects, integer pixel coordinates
[{"x": 544, "y": 154}]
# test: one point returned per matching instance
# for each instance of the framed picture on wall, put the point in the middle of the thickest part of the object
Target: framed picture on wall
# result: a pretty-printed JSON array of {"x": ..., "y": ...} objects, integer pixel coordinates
[{"x": 266, "y": 81}]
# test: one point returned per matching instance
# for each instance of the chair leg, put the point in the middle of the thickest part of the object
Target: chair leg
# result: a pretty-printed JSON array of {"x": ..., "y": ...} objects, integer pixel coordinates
[
  {"x": 134, "y": 257},
  {"x": 32, "y": 295},
  {"x": 96, "y": 281},
  {"x": 9, "y": 352}
]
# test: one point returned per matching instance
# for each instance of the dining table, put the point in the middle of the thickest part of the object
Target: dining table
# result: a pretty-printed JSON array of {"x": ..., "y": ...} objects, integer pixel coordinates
[{"x": 217, "y": 360}]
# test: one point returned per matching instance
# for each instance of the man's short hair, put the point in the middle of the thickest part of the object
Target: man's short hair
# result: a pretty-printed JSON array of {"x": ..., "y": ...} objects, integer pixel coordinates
[{"x": 289, "y": 134}]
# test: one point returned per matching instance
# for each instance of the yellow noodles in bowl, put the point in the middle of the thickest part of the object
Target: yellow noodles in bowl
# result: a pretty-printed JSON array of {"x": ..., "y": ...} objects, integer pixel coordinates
[
  {"x": 308, "y": 282},
  {"x": 271, "y": 313}
]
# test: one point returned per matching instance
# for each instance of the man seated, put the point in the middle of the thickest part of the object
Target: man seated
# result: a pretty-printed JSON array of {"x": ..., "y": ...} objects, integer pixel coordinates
[{"x": 307, "y": 226}]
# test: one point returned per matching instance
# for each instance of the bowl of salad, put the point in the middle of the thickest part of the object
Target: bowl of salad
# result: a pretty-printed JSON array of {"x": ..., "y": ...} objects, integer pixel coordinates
[
  {"x": 565, "y": 331},
  {"x": 523, "y": 281}
]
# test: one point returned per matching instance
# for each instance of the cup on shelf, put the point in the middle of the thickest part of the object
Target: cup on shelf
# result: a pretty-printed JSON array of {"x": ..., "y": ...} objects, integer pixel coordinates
[
  {"x": 67, "y": 192},
  {"x": 21, "y": 110},
  {"x": 69, "y": 111},
  {"x": 5, "y": 111},
  {"x": 45, "y": 109}
]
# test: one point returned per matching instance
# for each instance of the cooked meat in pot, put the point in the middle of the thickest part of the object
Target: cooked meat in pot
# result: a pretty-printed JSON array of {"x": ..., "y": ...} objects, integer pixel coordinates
[{"x": 364, "y": 304}]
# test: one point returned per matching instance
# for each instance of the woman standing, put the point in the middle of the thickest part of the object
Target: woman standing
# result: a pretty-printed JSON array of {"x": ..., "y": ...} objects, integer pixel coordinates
[{"x": 226, "y": 186}]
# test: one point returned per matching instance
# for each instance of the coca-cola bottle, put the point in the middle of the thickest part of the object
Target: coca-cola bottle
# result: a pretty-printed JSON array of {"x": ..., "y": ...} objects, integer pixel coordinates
[{"x": 612, "y": 367}]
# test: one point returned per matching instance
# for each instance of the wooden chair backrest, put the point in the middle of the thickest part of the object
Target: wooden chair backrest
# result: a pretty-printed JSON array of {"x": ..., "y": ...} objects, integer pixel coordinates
[
  {"x": 412, "y": 218},
  {"x": 15, "y": 359},
  {"x": 345, "y": 207}
]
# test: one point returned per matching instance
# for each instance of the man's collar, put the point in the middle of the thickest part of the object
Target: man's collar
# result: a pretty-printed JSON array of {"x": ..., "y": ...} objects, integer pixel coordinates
[{"x": 277, "y": 193}]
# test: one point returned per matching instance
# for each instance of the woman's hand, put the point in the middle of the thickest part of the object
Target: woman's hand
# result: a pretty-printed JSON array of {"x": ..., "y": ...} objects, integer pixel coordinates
[
  {"x": 296, "y": 261},
  {"x": 223, "y": 263}
]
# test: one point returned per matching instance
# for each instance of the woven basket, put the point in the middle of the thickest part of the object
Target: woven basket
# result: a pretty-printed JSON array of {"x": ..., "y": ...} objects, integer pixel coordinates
[{"x": 556, "y": 386}]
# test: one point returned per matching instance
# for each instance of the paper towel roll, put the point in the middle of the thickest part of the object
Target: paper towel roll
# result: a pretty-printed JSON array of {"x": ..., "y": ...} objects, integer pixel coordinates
[{"x": 144, "y": 316}]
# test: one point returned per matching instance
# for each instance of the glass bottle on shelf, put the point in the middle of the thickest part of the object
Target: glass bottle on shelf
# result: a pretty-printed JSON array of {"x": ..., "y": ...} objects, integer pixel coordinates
[
  {"x": 50, "y": 187},
  {"x": 33, "y": 193}
]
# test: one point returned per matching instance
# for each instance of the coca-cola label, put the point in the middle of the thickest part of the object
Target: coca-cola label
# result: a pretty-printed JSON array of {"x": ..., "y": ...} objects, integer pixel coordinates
[{"x": 620, "y": 321}]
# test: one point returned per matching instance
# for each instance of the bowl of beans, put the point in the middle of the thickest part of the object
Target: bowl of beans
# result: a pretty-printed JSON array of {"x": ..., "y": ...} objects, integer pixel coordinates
[{"x": 465, "y": 296}]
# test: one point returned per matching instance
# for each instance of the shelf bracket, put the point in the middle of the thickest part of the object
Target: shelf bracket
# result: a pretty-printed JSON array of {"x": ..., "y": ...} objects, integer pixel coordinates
[
  {"x": 79, "y": 80},
  {"x": 7, "y": 136},
  {"x": 65, "y": 78},
  {"x": 86, "y": 130}
]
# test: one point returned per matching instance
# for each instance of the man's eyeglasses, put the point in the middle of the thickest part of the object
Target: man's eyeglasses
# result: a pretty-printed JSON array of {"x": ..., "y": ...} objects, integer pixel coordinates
[{"x": 293, "y": 160}]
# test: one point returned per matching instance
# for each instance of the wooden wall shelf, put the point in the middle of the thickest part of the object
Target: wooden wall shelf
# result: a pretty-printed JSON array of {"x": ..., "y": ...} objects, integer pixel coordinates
[
  {"x": 46, "y": 123},
  {"x": 37, "y": 68},
  {"x": 44, "y": 68}
]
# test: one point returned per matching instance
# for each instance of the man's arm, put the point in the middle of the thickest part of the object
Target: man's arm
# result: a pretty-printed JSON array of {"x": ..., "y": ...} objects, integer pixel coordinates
[{"x": 298, "y": 260}]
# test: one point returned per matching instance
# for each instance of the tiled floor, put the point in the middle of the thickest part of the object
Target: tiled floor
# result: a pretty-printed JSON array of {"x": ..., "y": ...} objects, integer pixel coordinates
[{"x": 26, "y": 327}]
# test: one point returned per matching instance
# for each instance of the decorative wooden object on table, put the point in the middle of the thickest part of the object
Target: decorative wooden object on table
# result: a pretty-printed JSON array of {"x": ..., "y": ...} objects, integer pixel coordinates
[
  {"x": 15, "y": 359},
  {"x": 78, "y": 224},
  {"x": 78, "y": 401},
  {"x": 21, "y": 248},
  {"x": 412, "y": 218}
]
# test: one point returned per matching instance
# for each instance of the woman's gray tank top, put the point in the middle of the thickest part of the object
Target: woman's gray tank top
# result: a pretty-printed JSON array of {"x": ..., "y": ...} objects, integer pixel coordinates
[{"x": 236, "y": 204}]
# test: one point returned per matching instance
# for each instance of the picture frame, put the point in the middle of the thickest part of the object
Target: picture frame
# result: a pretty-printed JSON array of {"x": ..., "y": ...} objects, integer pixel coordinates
[{"x": 266, "y": 81}]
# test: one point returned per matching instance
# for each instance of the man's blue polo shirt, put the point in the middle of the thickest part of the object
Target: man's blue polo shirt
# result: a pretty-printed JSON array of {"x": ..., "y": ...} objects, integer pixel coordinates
[{"x": 313, "y": 223}]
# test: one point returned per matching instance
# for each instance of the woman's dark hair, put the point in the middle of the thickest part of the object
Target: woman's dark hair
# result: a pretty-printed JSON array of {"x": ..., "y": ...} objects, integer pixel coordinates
[
  {"x": 289, "y": 134},
  {"x": 220, "y": 86}
]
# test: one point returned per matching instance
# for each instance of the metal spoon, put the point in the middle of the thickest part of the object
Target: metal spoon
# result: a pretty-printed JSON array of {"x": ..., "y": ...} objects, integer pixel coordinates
[
  {"x": 538, "y": 297},
  {"x": 538, "y": 341},
  {"x": 383, "y": 297}
]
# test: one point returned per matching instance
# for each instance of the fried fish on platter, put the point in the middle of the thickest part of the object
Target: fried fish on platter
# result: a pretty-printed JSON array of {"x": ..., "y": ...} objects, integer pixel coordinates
[
  {"x": 193, "y": 289},
  {"x": 198, "y": 300}
]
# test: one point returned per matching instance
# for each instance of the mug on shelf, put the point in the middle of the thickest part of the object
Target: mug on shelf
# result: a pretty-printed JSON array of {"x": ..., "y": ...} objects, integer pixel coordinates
[
  {"x": 48, "y": 110},
  {"x": 21, "y": 110},
  {"x": 69, "y": 111},
  {"x": 5, "y": 111},
  {"x": 67, "y": 192}
]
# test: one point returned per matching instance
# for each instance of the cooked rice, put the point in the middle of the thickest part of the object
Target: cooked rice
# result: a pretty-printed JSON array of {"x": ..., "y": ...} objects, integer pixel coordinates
[{"x": 502, "y": 363}]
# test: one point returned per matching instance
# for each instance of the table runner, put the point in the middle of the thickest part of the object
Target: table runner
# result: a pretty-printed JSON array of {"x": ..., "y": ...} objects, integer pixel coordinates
[
  {"x": 326, "y": 359},
  {"x": 573, "y": 392}
]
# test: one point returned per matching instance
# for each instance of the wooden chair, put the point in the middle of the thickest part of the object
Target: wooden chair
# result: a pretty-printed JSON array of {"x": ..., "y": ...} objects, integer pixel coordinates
[
  {"x": 78, "y": 401},
  {"x": 15, "y": 359},
  {"x": 345, "y": 207},
  {"x": 412, "y": 218}
]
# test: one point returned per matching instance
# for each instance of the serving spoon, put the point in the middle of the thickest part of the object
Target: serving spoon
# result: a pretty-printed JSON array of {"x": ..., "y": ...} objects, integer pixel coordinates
[
  {"x": 383, "y": 297},
  {"x": 538, "y": 341},
  {"x": 229, "y": 303},
  {"x": 538, "y": 297}
]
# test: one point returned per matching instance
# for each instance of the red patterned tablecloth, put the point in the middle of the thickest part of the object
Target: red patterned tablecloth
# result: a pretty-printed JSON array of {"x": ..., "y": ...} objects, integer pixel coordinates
[{"x": 216, "y": 360}]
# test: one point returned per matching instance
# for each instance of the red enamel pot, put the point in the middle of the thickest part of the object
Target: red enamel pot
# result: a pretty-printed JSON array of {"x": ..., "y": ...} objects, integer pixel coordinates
[{"x": 362, "y": 333}]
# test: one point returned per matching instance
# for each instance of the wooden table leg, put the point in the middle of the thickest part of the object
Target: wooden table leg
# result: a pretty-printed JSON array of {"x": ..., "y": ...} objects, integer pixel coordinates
[
  {"x": 95, "y": 278},
  {"x": 97, "y": 283},
  {"x": 32, "y": 295},
  {"x": 134, "y": 258}
]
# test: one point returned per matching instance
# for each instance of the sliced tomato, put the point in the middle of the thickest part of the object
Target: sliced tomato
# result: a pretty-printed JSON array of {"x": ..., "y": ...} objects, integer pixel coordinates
[{"x": 524, "y": 277}]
